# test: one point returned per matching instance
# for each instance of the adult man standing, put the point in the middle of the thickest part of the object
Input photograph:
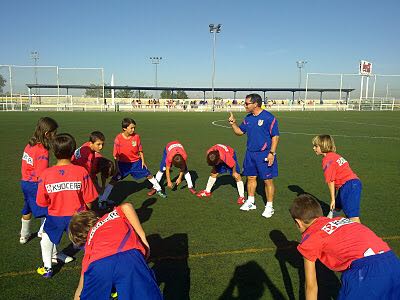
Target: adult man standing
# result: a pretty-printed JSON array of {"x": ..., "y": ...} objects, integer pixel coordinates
[{"x": 262, "y": 132}]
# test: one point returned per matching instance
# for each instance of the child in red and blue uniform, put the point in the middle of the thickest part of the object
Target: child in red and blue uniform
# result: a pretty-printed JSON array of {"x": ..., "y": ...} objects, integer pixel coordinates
[
  {"x": 115, "y": 252},
  {"x": 222, "y": 159},
  {"x": 64, "y": 189},
  {"x": 129, "y": 159},
  {"x": 174, "y": 155},
  {"x": 370, "y": 269},
  {"x": 339, "y": 177},
  {"x": 35, "y": 160}
]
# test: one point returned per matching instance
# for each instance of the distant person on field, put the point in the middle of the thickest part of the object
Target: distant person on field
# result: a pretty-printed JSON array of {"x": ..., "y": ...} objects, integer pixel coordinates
[
  {"x": 64, "y": 189},
  {"x": 129, "y": 159},
  {"x": 222, "y": 159},
  {"x": 344, "y": 185},
  {"x": 35, "y": 160},
  {"x": 174, "y": 155},
  {"x": 370, "y": 269},
  {"x": 115, "y": 252},
  {"x": 262, "y": 132}
]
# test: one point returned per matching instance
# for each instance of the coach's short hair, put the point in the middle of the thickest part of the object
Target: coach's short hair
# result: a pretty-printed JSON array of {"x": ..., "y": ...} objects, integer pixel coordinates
[
  {"x": 63, "y": 146},
  {"x": 80, "y": 225},
  {"x": 305, "y": 208},
  {"x": 127, "y": 121},
  {"x": 255, "y": 98},
  {"x": 96, "y": 135},
  {"x": 325, "y": 142},
  {"x": 213, "y": 158}
]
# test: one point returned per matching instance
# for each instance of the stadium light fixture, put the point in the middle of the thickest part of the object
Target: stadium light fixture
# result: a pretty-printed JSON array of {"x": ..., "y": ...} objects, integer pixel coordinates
[
  {"x": 155, "y": 61},
  {"x": 35, "y": 57},
  {"x": 214, "y": 29},
  {"x": 300, "y": 66}
]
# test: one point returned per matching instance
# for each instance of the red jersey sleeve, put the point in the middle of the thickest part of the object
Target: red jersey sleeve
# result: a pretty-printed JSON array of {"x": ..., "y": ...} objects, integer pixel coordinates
[
  {"x": 89, "y": 191},
  {"x": 330, "y": 168},
  {"x": 42, "y": 198},
  {"x": 310, "y": 248},
  {"x": 117, "y": 147},
  {"x": 139, "y": 143}
]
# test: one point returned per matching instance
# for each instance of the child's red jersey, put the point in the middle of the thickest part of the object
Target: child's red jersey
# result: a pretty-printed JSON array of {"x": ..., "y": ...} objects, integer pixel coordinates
[
  {"x": 226, "y": 154},
  {"x": 110, "y": 235},
  {"x": 84, "y": 157},
  {"x": 172, "y": 149},
  {"x": 337, "y": 169},
  {"x": 127, "y": 149},
  {"x": 34, "y": 160},
  {"x": 338, "y": 242},
  {"x": 65, "y": 190}
]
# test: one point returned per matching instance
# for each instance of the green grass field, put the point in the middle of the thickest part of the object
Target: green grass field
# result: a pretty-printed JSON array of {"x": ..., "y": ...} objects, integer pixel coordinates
[{"x": 208, "y": 249}]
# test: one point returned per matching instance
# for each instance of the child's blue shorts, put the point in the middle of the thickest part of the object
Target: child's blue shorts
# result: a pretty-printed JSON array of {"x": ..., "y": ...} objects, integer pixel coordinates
[
  {"x": 372, "y": 277},
  {"x": 254, "y": 164},
  {"x": 348, "y": 198},
  {"x": 29, "y": 189},
  {"x": 224, "y": 168},
  {"x": 131, "y": 168},
  {"x": 163, "y": 164},
  {"x": 55, "y": 226},
  {"x": 126, "y": 272}
]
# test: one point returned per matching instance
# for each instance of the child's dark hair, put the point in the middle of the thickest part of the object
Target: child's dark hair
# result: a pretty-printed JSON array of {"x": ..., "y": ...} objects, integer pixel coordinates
[
  {"x": 80, "y": 225},
  {"x": 179, "y": 162},
  {"x": 305, "y": 208},
  {"x": 63, "y": 146},
  {"x": 106, "y": 167},
  {"x": 127, "y": 121},
  {"x": 96, "y": 135},
  {"x": 213, "y": 158},
  {"x": 44, "y": 126}
]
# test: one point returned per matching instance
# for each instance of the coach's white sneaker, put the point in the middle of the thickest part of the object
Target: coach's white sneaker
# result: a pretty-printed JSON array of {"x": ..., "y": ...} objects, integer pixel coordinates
[
  {"x": 248, "y": 205},
  {"x": 268, "y": 212}
]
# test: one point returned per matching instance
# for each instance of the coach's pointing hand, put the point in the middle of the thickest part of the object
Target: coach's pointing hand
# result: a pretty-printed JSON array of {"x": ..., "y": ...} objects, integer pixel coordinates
[{"x": 231, "y": 119}]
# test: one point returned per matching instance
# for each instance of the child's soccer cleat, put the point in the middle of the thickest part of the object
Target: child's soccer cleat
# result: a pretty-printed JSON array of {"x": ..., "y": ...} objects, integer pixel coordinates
[
  {"x": 114, "y": 295},
  {"x": 203, "y": 193},
  {"x": 61, "y": 256},
  {"x": 268, "y": 212},
  {"x": 240, "y": 200},
  {"x": 193, "y": 191},
  {"x": 161, "y": 194},
  {"x": 45, "y": 272},
  {"x": 24, "y": 239},
  {"x": 248, "y": 205},
  {"x": 151, "y": 192}
]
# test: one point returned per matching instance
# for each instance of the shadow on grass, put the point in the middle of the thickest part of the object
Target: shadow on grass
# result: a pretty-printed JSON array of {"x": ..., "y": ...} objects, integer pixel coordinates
[
  {"x": 299, "y": 191},
  {"x": 224, "y": 180},
  {"x": 144, "y": 212},
  {"x": 124, "y": 189},
  {"x": 170, "y": 258},
  {"x": 249, "y": 281},
  {"x": 287, "y": 254}
]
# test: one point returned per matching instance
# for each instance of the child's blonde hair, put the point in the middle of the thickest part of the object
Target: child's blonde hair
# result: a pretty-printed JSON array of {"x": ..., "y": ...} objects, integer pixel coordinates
[
  {"x": 325, "y": 142},
  {"x": 80, "y": 225}
]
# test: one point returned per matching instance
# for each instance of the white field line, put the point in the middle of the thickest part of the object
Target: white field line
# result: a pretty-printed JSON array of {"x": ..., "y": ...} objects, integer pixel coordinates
[{"x": 215, "y": 123}]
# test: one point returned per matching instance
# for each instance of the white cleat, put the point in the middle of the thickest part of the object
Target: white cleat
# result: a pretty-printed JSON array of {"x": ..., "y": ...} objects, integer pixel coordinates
[
  {"x": 24, "y": 239},
  {"x": 268, "y": 212},
  {"x": 62, "y": 257},
  {"x": 247, "y": 205}
]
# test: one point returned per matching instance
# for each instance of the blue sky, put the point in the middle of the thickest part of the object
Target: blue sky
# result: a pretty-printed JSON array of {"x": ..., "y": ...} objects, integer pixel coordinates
[{"x": 259, "y": 44}]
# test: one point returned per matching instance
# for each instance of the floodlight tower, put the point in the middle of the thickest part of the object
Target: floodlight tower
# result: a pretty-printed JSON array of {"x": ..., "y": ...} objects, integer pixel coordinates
[
  {"x": 35, "y": 57},
  {"x": 214, "y": 29},
  {"x": 155, "y": 61},
  {"x": 300, "y": 65}
]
